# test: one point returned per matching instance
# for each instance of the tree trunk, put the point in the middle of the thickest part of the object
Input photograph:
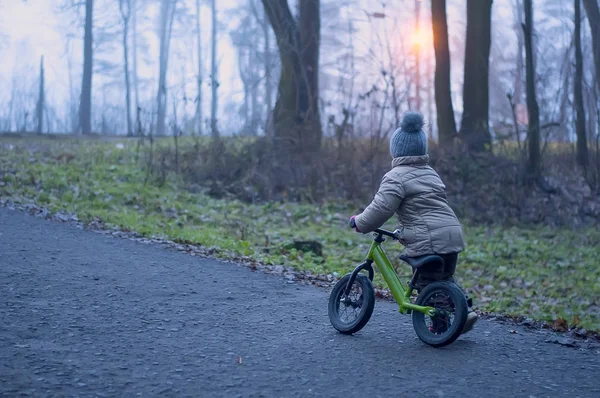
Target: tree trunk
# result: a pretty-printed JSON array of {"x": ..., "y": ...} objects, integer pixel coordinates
[
  {"x": 161, "y": 95},
  {"x": 199, "y": 117},
  {"x": 518, "y": 95},
  {"x": 85, "y": 106},
  {"x": 41, "y": 100},
  {"x": 582, "y": 150},
  {"x": 127, "y": 82},
  {"x": 429, "y": 90},
  {"x": 213, "y": 73},
  {"x": 533, "y": 131},
  {"x": 167, "y": 14},
  {"x": 592, "y": 101},
  {"x": 73, "y": 112},
  {"x": 243, "y": 67},
  {"x": 268, "y": 69},
  {"x": 125, "y": 14},
  {"x": 593, "y": 13},
  {"x": 443, "y": 96},
  {"x": 474, "y": 127},
  {"x": 255, "y": 112},
  {"x": 417, "y": 58},
  {"x": 11, "y": 106},
  {"x": 296, "y": 116},
  {"x": 310, "y": 39},
  {"x": 564, "y": 109},
  {"x": 135, "y": 68}
]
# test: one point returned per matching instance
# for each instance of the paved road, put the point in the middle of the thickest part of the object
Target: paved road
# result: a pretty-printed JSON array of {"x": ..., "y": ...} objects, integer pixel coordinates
[{"x": 84, "y": 314}]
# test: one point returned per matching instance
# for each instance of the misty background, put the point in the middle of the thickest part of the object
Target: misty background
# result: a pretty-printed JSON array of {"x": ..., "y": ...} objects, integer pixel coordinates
[{"x": 359, "y": 40}]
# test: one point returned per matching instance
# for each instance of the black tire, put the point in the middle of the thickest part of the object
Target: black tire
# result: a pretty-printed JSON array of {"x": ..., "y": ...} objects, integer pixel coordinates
[
  {"x": 365, "y": 302},
  {"x": 456, "y": 305}
]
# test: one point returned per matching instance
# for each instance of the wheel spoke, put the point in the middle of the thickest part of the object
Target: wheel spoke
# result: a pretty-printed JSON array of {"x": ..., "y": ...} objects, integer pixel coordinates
[
  {"x": 354, "y": 301},
  {"x": 440, "y": 324}
]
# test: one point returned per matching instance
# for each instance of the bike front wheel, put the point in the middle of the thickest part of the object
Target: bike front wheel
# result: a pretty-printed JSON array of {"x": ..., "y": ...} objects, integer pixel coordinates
[
  {"x": 350, "y": 314},
  {"x": 451, "y": 314}
]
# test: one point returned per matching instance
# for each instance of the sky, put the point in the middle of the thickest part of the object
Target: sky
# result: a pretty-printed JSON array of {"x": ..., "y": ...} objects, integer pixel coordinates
[
  {"x": 30, "y": 30},
  {"x": 34, "y": 28}
]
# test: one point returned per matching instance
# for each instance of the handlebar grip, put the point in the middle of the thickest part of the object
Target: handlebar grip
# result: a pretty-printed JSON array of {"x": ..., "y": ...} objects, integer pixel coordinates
[{"x": 352, "y": 223}]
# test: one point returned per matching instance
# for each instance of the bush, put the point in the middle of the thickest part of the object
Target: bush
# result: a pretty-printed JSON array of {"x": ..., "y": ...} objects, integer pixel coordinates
[{"x": 482, "y": 188}]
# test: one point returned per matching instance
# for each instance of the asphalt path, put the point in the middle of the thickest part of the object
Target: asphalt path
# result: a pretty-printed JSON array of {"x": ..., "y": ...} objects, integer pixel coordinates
[{"x": 85, "y": 314}]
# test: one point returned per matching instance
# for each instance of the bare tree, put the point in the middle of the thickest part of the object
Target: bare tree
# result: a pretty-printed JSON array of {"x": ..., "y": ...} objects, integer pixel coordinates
[
  {"x": 255, "y": 107},
  {"x": 246, "y": 70},
  {"x": 41, "y": 103},
  {"x": 85, "y": 106},
  {"x": 593, "y": 13},
  {"x": 213, "y": 72},
  {"x": 443, "y": 97},
  {"x": 268, "y": 66},
  {"x": 533, "y": 131},
  {"x": 198, "y": 117},
  {"x": 518, "y": 95},
  {"x": 430, "y": 88},
  {"x": 73, "y": 116},
  {"x": 474, "y": 126},
  {"x": 582, "y": 150},
  {"x": 134, "y": 14},
  {"x": 167, "y": 14},
  {"x": 262, "y": 19},
  {"x": 245, "y": 39},
  {"x": 296, "y": 117},
  {"x": 125, "y": 8},
  {"x": 417, "y": 57},
  {"x": 243, "y": 65}
]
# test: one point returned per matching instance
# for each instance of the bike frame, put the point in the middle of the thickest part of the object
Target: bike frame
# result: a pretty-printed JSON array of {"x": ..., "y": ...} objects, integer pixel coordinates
[{"x": 400, "y": 291}]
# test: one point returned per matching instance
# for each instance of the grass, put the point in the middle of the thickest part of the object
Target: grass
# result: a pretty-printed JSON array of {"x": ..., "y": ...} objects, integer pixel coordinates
[{"x": 545, "y": 274}]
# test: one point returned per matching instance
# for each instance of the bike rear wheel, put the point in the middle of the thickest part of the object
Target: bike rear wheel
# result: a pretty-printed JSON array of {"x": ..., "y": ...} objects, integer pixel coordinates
[
  {"x": 451, "y": 314},
  {"x": 350, "y": 314}
]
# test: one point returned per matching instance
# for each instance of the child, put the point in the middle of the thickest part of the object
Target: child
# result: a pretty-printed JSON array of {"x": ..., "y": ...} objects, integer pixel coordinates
[{"x": 415, "y": 192}]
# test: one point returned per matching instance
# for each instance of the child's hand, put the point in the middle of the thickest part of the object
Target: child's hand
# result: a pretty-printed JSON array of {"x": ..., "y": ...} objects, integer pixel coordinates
[{"x": 353, "y": 224}]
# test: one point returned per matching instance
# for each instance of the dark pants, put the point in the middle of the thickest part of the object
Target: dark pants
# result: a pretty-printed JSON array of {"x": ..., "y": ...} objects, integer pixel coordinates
[{"x": 437, "y": 272}]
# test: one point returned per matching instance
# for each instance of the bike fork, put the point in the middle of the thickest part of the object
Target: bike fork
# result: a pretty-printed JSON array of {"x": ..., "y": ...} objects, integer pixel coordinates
[{"x": 368, "y": 265}]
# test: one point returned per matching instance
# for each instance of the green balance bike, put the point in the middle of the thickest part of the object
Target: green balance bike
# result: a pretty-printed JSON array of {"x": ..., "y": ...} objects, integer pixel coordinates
[{"x": 439, "y": 312}]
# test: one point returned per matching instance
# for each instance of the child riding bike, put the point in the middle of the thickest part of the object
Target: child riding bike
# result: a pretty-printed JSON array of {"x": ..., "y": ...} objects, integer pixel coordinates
[{"x": 415, "y": 192}]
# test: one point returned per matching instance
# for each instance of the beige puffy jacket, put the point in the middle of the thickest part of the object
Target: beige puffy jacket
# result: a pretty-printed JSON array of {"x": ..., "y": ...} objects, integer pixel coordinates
[{"x": 415, "y": 192}]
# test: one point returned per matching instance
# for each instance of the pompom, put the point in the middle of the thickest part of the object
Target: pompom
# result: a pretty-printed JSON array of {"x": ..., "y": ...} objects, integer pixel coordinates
[{"x": 412, "y": 122}]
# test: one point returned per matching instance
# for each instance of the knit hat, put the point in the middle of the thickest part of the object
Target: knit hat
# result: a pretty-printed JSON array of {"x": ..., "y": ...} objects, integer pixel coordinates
[{"x": 409, "y": 139}]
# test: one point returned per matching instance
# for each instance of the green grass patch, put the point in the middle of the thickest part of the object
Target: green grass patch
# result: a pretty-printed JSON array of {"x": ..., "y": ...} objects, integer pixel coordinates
[{"x": 541, "y": 273}]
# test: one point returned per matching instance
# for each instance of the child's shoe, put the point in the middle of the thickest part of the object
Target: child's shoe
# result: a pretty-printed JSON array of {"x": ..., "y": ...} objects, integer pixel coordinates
[{"x": 471, "y": 319}]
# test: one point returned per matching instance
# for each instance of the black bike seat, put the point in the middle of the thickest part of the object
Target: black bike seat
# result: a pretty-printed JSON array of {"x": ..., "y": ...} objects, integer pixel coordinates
[{"x": 418, "y": 262}]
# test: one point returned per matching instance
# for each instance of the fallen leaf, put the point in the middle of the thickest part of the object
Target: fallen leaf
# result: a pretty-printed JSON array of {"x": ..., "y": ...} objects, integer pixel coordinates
[{"x": 560, "y": 325}]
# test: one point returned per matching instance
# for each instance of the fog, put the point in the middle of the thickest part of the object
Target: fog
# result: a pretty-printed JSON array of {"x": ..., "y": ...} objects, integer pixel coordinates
[{"x": 54, "y": 29}]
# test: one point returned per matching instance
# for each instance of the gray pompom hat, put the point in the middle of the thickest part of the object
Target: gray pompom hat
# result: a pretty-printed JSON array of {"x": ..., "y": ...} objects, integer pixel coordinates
[{"x": 409, "y": 139}]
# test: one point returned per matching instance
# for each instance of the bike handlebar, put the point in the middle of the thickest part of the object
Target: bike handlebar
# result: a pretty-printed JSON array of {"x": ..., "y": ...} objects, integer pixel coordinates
[
  {"x": 386, "y": 233},
  {"x": 378, "y": 231}
]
